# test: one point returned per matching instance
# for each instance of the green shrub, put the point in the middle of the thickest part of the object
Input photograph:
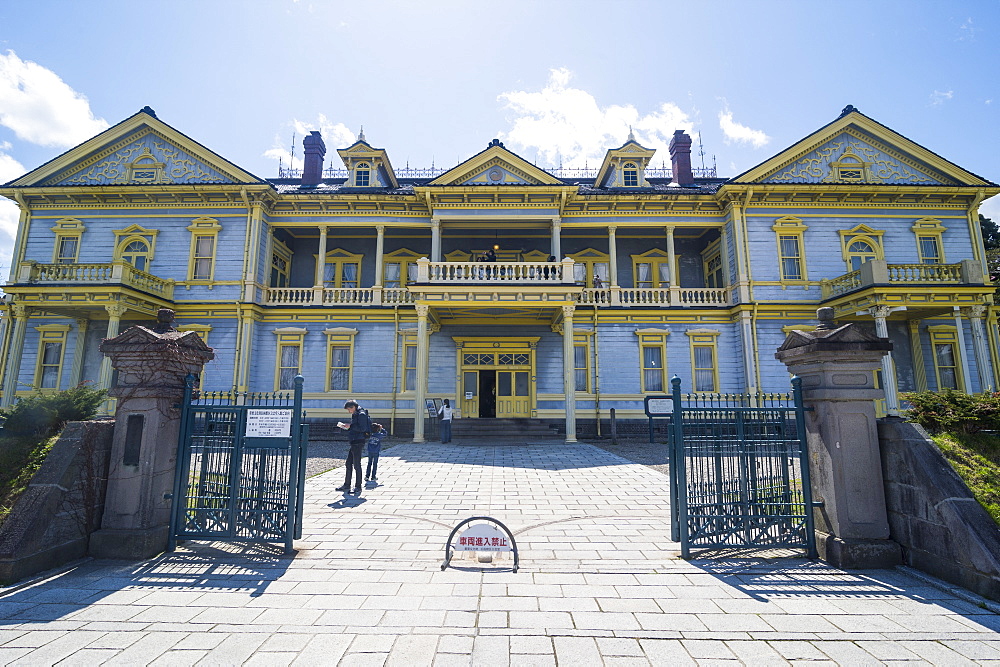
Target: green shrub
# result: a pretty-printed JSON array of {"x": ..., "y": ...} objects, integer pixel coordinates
[
  {"x": 42, "y": 414},
  {"x": 976, "y": 459},
  {"x": 954, "y": 411}
]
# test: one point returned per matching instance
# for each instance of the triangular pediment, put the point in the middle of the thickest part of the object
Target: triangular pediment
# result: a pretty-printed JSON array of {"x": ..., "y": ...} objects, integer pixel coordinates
[
  {"x": 496, "y": 166},
  {"x": 141, "y": 150},
  {"x": 854, "y": 149}
]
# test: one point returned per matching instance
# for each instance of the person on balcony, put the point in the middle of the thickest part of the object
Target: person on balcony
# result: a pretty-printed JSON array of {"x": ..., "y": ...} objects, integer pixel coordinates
[
  {"x": 598, "y": 284},
  {"x": 491, "y": 255}
]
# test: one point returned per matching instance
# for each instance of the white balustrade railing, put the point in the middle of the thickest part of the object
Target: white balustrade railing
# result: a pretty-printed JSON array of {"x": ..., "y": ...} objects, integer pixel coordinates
[
  {"x": 337, "y": 296},
  {"x": 925, "y": 273},
  {"x": 119, "y": 272},
  {"x": 538, "y": 273},
  {"x": 704, "y": 296},
  {"x": 288, "y": 296},
  {"x": 653, "y": 296}
]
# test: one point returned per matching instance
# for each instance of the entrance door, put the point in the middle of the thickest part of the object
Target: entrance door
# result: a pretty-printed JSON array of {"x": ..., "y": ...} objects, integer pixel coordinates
[
  {"x": 487, "y": 393},
  {"x": 512, "y": 399}
]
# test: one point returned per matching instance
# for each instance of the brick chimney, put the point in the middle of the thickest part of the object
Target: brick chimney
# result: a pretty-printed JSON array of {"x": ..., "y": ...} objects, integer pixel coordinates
[
  {"x": 680, "y": 158},
  {"x": 312, "y": 167}
]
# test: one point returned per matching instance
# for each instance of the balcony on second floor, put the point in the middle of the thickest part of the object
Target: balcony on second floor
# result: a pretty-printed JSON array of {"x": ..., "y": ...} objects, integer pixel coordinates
[
  {"x": 111, "y": 273},
  {"x": 879, "y": 272}
]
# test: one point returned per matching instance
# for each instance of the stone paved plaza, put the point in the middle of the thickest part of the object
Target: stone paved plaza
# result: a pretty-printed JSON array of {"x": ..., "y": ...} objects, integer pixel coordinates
[{"x": 599, "y": 584}]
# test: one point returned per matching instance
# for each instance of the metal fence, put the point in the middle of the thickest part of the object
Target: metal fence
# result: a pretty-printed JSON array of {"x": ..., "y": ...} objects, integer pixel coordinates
[
  {"x": 240, "y": 467},
  {"x": 739, "y": 471}
]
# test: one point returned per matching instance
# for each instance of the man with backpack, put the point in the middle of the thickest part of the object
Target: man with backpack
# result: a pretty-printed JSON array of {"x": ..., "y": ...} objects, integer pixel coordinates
[{"x": 357, "y": 435}]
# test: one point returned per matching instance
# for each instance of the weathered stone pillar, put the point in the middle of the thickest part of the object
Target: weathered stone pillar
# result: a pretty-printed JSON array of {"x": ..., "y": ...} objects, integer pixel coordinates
[
  {"x": 152, "y": 365},
  {"x": 836, "y": 365}
]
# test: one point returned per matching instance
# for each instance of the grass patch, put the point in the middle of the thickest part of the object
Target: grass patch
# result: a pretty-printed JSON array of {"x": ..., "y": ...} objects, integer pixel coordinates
[
  {"x": 976, "y": 459},
  {"x": 20, "y": 459}
]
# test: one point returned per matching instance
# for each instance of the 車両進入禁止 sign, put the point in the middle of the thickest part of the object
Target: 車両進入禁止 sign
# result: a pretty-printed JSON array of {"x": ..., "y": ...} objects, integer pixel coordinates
[
  {"x": 483, "y": 537},
  {"x": 269, "y": 423}
]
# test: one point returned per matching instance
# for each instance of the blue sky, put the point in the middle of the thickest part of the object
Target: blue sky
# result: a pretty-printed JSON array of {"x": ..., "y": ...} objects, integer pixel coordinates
[{"x": 559, "y": 81}]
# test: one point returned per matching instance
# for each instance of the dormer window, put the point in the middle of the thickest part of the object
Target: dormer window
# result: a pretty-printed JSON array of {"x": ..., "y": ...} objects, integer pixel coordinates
[
  {"x": 363, "y": 175},
  {"x": 630, "y": 175}
]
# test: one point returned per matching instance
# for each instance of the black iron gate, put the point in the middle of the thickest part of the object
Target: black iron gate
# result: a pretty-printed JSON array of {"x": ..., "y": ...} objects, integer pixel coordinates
[
  {"x": 739, "y": 471},
  {"x": 240, "y": 467}
]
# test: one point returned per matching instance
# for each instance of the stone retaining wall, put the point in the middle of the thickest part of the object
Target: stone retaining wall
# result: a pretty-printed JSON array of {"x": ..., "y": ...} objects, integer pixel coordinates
[
  {"x": 943, "y": 530},
  {"x": 51, "y": 522}
]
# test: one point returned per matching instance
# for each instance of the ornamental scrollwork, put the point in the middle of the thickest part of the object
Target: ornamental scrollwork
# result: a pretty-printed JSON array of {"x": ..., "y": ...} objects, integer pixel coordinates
[
  {"x": 820, "y": 166},
  {"x": 111, "y": 170}
]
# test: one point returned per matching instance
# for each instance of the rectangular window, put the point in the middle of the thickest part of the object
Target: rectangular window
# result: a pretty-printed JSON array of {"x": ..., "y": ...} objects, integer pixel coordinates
[
  {"x": 204, "y": 253},
  {"x": 652, "y": 368},
  {"x": 947, "y": 369},
  {"x": 66, "y": 249},
  {"x": 791, "y": 257},
  {"x": 930, "y": 250},
  {"x": 704, "y": 368},
  {"x": 340, "y": 368},
  {"x": 279, "y": 271},
  {"x": 289, "y": 357},
  {"x": 580, "y": 368},
  {"x": 51, "y": 345},
  {"x": 363, "y": 178},
  {"x": 631, "y": 178},
  {"x": 714, "y": 274},
  {"x": 409, "y": 367},
  {"x": 392, "y": 275}
]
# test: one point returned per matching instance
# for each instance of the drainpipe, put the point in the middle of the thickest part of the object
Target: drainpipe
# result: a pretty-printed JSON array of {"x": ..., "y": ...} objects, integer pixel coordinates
[{"x": 395, "y": 368}]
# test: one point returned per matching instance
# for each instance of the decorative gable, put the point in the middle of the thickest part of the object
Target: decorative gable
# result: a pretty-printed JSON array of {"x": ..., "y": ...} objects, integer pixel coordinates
[
  {"x": 856, "y": 149},
  {"x": 496, "y": 166},
  {"x": 367, "y": 167},
  {"x": 852, "y": 158},
  {"x": 625, "y": 167},
  {"x": 140, "y": 150},
  {"x": 145, "y": 157}
]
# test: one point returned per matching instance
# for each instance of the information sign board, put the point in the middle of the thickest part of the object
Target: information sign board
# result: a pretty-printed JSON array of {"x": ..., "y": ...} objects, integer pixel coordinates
[
  {"x": 269, "y": 423},
  {"x": 483, "y": 537},
  {"x": 659, "y": 406}
]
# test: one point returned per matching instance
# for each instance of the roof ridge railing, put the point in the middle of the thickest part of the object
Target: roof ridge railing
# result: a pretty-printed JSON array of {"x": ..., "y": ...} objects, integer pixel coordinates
[{"x": 558, "y": 172}]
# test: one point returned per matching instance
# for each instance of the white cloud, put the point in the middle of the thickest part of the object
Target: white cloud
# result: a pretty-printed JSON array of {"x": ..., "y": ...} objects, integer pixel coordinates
[
  {"x": 567, "y": 125},
  {"x": 736, "y": 133},
  {"x": 968, "y": 30},
  {"x": 991, "y": 208},
  {"x": 39, "y": 107},
  {"x": 335, "y": 135},
  {"x": 938, "y": 97}
]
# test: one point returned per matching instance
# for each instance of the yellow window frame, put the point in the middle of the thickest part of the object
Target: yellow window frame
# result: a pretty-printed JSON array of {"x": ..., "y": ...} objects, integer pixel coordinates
[
  {"x": 704, "y": 339},
  {"x": 405, "y": 258},
  {"x": 653, "y": 339},
  {"x": 581, "y": 340},
  {"x": 589, "y": 258},
  {"x": 630, "y": 169},
  {"x": 203, "y": 228},
  {"x": 123, "y": 237},
  {"x": 655, "y": 258},
  {"x": 50, "y": 334},
  {"x": 409, "y": 343},
  {"x": 338, "y": 258},
  {"x": 366, "y": 169},
  {"x": 933, "y": 229},
  {"x": 715, "y": 278},
  {"x": 790, "y": 227},
  {"x": 945, "y": 334},
  {"x": 278, "y": 276},
  {"x": 202, "y": 330},
  {"x": 338, "y": 337},
  {"x": 862, "y": 232},
  {"x": 288, "y": 337},
  {"x": 65, "y": 229}
]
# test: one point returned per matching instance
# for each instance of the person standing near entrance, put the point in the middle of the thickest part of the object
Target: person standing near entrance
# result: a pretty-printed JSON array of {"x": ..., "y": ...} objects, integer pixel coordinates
[
  {"x": 374, "y": 448},
  {"x": 357, "y": 435},
  {"x": 445, "y": 413}
]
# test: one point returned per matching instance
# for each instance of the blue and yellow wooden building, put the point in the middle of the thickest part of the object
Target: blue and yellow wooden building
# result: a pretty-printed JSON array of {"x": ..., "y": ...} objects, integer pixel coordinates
[{"x": 365, "y": 279}]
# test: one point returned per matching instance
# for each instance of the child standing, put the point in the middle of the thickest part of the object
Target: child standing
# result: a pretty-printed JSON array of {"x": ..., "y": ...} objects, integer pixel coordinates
[{"x": 374, "y": 447}]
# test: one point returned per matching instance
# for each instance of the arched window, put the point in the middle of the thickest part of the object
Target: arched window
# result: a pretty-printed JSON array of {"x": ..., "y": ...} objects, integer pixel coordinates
[
  {"x": 860, "y": 251},
  {"x": 630, "y": 174},
  {"x": 363, "y": 175},
  {"x": 136, "y": 252}
]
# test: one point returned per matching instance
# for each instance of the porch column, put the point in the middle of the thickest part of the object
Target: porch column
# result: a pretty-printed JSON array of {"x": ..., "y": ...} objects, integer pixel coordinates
[
  {"x": 613, "y": 254},
  {"x": 917, "y": 356},
  {"x": 724, "y": 256},
  {"x": 675, "y": 292},
  {"x": 379, "y": 250},
  {"x": 749, "y": 358},
  {"x": 420, "y": 391},
  {"x": 76, "y": 370},
  {"x": 889, "y": 383},
  {"x": 14, "y": 353},
  {"x": 962, "y": 352},
  {"x": 435, "y": 240},
  {"x": 556, "y": 242},
  {"x": 569, "y": 379},
  {"x": 980, "y": 348},
  {"x": 320, "y": 259},
  {"x": 115, "y": 312}
]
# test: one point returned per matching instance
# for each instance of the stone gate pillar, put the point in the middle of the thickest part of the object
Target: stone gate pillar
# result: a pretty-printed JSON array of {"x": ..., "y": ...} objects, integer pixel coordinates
[
  {"x": 837, "y": 367},
  {"x": 152, "y": 365}
]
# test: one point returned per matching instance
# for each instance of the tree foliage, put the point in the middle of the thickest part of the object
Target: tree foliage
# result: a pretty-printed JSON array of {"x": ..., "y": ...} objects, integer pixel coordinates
[
  {"x": 42, "y": 414},
  {"x": 954, "y": 411}
]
